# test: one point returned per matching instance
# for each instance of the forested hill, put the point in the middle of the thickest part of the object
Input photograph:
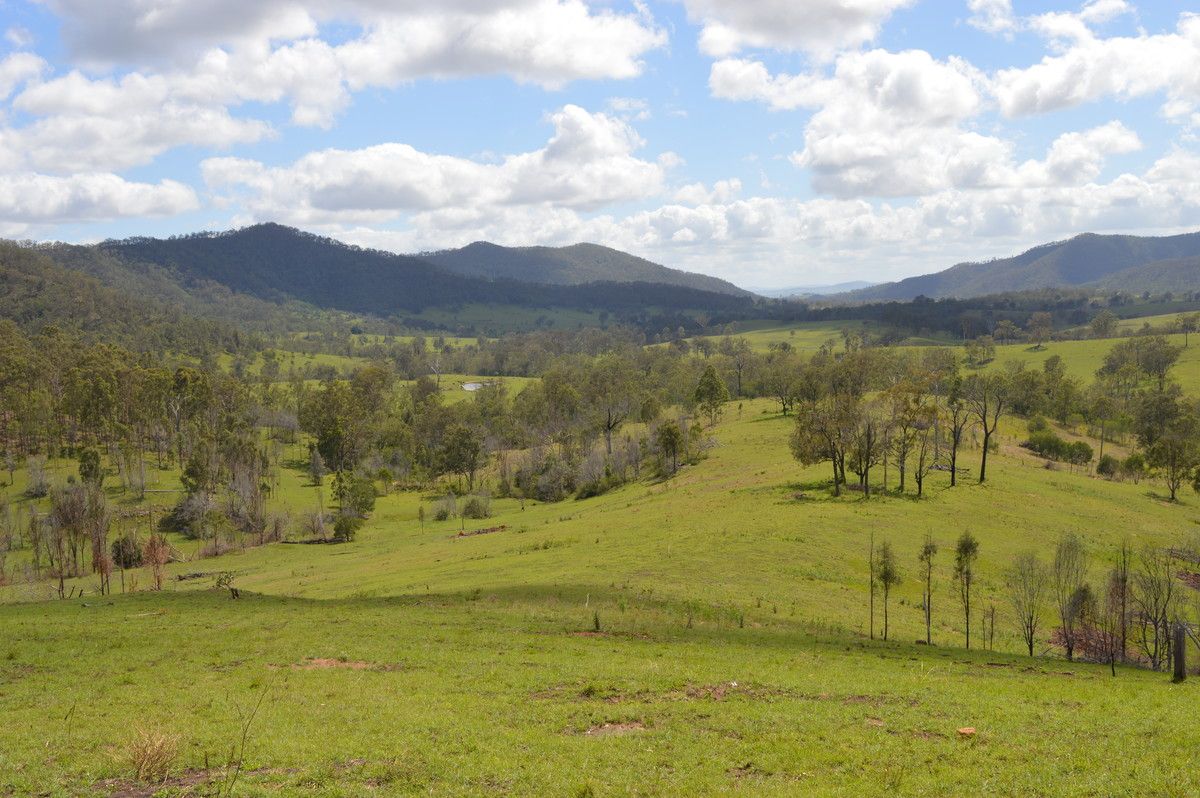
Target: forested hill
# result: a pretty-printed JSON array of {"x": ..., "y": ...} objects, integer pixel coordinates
[
  {"x": 1111, "y": 263},
  {"x": 37, "y": 293},
  {"x": 281, "y": 264},
  {"x": 573, "y": 265}
]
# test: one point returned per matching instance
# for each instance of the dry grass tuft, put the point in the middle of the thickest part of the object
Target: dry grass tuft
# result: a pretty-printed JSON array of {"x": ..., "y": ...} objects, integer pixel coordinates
[{"x": 151, "y": 753}]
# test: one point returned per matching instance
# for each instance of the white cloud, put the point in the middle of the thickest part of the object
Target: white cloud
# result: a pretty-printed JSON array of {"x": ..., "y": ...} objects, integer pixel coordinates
[
  {"x": 993, "y": 16},
  {"x": 700, "y": 194},
  {"x": 85, "y": 125},
  {"x": 629, "y": 108},
  {"x": 230, "y": 53},
  {"x": 819, "y": 27},
  {"x": 18, "y": 37},
  {"x": 1091, "y": 68},
  {"x": 42, "y": 199},
  {"x": 17, "y": 69},
  {"x": 548, "y": 42},
  {"x": 588, "y": 163}
]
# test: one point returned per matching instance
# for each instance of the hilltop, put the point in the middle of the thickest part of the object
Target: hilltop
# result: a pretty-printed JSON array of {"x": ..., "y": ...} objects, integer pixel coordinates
[
  {"x": 1111, "y": 263},
  {"x": 572, "y": 265}
]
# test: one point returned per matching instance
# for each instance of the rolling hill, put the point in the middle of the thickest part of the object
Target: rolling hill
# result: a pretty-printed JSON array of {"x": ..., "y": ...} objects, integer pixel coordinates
[
  {"x": 1127, "y": 263},
  {"x": 574, "y": 265}
]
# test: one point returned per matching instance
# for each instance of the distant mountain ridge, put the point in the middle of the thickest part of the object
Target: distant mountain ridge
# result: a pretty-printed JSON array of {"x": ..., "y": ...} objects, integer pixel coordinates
[
  {"x": 281, "y": 264},
  {"x": 813, "y": 290},
  {"x": 1104, "y": 262},
  {"x": 571, "y": 265}
]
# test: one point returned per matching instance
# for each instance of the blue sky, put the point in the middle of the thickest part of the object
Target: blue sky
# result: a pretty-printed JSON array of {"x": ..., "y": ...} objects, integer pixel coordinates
[{"x": 771, "y": 142}]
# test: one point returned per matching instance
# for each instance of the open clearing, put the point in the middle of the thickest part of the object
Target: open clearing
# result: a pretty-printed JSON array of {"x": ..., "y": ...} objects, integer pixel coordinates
[{"x": 730, "y": 655}]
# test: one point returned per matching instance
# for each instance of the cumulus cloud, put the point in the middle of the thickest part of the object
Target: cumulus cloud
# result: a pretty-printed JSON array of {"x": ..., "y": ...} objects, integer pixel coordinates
[
  {"x": 821, "y": 27},
  {"x": 201, "y": 61},
  {"x": 764, "y": 240},
  {"x": 42, "y": 199},
  {"x": 700, "y": 194},
  {"x": 993, "y": 16},
  {"x": 1092, "y": 68},
  {"x": 589, "y": 162},
  {"x": 17, "y": 69},
  {"x": 549, "y": 42}
]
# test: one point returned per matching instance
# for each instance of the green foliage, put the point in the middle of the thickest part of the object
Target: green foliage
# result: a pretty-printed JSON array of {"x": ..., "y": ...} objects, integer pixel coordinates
[
  {"x": 355, "y": 493},
  {"x": 346, "y": 526},
  {"x": 90, "y": 470},
  {"x": 1047, "y": 444},
  {"x": 127, "y": 551},
  {"x": 711, "y": 393},
  {"x": 1108, "y": 467},
  {"x": 477, "y": 507}
]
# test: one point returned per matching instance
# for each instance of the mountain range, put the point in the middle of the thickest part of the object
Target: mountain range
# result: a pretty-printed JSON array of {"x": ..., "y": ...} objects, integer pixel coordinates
[{"x": 1089, "y": 261}]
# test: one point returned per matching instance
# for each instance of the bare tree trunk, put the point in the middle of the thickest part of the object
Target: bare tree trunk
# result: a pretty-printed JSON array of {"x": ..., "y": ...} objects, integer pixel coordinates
[{"x": 1179, "y": 652}]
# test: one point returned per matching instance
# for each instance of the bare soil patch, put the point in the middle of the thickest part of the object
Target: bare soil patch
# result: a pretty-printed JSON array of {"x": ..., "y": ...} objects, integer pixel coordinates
[
  {"x": 326, "y": 663},
  {"x": 609, "y": 729}
]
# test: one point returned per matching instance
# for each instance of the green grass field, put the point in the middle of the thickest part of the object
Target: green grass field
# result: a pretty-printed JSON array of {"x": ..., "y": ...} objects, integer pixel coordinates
[
  {"x": 731, "y": 655},
  {"x": 1084, "y": 358},
  {"x": 811, "y": 336}
]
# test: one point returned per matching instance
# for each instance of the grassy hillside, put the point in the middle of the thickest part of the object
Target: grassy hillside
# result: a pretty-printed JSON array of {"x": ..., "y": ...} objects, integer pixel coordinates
[{"x": 730, "y": 655}]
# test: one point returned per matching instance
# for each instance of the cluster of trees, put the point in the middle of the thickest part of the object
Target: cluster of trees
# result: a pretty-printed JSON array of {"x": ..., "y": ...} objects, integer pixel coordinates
[
  {"x": 862, "y": 409},
  {"x": 870, "y": 408},
  {"x": 1127, "y": 616}
]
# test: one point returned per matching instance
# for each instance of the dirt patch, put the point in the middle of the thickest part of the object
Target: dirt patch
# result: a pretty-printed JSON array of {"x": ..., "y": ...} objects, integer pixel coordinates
[
  {"x": 125, "y": 788},
  {"x": 325, "y": 663},
  {"x": 590, "y": 634},
  {"x": 486, "y": 531},
  {"x": 691, "y": 692},
  {"x": 748, "y": 771},
  {"x": 611, "y": 729}
]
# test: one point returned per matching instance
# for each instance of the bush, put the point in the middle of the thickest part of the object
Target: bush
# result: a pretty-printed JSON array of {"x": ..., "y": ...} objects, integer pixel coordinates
[
  {"x": 191, "y": 516},
  {"x": 346, "y": 527},
  {"x": 477, "y": 507},
  {"x": 446, "y": 508},
  {"x": 355, "y": 492},
  {"x": 127, "y": 551},
  {"x": 1046, "y": 444},
  {"x": 1079, "y": 453},
  {"x": 1134, "y": 467},
  {"x": 1108, "y": 467},
  {"x": 39, "y": 483},
  {"x": 1052, "y": 447},
  {"x": 1038, "y": 424}
]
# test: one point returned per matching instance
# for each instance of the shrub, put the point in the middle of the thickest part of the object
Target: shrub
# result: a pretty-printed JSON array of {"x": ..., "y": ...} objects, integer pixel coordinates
[
  {"x": 1038, "y": 424},
  {"x": 127, "y": 551},
  {"x": 1079, "y": 453},
  {"x": 191, "y": 516},
  {"x": 1046, "y": 444},
  {"x": 1108, "y": 467},
  {"x": 1134, "y": 467},
  {"x": 446, "y": 508},
  {"x": 477, "y": 507},
  {"x": 346, "y": 527},
  {"x": 1052, "y": 447},
  {"x": 39, "y": 483}
]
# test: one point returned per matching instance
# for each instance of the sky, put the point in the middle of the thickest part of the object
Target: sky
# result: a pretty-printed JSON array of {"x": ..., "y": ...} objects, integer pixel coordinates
[{"x": 774, "y": 143}]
